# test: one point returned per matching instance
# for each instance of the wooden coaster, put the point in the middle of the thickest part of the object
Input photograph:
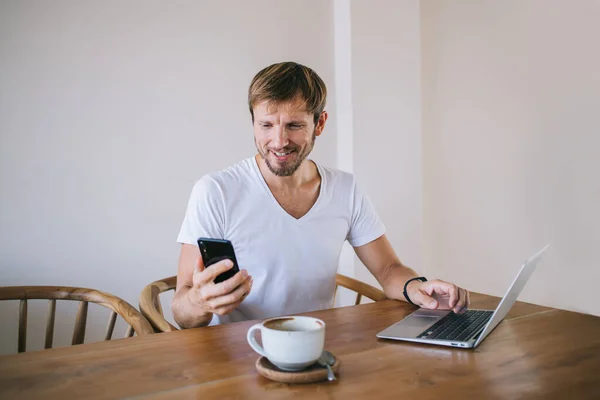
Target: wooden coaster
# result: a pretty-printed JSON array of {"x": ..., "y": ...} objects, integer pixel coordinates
[{"x": 314, "y": 373}]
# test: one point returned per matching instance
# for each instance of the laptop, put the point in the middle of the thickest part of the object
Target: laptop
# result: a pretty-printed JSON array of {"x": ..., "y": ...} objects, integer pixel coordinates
[{"x": 466, "y": 330}]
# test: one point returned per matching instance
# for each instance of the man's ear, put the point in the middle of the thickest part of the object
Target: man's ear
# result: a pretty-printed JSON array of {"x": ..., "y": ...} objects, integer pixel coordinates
[{"x": 321, "y": 123}]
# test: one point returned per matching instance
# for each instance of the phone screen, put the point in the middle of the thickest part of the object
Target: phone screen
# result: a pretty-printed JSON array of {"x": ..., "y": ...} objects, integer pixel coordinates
[{"x": 215, "y": 250}]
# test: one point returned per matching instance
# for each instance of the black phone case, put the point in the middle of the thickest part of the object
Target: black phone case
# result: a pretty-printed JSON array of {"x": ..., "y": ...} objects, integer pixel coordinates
[{"x": 215, "y": 250}]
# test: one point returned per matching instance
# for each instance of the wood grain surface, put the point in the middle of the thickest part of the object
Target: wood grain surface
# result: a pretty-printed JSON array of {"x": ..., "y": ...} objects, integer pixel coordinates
[{"x": 536, "y": 352}]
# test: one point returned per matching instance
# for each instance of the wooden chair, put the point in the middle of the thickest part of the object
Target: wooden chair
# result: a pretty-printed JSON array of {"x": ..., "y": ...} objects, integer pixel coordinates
[
  {"x": 362, "y": 289},
  {"x": 151, "y": 308},
  {"x": 134, "y": 319}
]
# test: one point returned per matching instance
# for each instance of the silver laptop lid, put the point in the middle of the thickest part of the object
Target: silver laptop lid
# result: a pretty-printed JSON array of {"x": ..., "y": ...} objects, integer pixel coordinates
[{"x": 512, "y": 293}]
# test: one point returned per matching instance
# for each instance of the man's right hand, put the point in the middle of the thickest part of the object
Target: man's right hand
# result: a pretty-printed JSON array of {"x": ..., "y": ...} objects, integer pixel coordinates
[{"x": 218, "y": 298}]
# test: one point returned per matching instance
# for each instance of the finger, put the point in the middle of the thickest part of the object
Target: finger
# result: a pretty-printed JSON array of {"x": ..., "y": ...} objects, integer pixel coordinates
[
  {"x": 460, "y": 306},
  {"x": 198, "y": 267},
  {"x": 224, "y": 310},
  {"x": 234, "y": 297},
  {"x": 210, "y": 273},
  {"x": 452, "y": 290},
  {"x": 227, "y": 286},
  {"x": 456, "y": 307},
  {"x": 227, "y": 309},
  {"x": 467, "y": 300},
  {"x": 424, "y": 300}
]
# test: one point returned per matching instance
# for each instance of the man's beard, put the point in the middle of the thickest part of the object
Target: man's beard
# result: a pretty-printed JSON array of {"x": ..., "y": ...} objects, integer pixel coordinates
[{"x": 288, "y": 167}]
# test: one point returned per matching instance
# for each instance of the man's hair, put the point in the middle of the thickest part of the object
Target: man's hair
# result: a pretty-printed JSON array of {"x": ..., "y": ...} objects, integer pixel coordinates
[{"x": 284, "y": 82}]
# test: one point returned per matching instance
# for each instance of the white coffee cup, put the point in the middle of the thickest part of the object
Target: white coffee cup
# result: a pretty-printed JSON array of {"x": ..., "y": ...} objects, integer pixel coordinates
[{"x": 290, "y": 343}]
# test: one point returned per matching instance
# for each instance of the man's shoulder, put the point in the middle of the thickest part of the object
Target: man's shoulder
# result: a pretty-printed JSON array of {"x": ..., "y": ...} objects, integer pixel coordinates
[
  {"x": 236, "y": 172},
  {"x": 337, "y": 176},
  {"x": 229, "y": 178}
]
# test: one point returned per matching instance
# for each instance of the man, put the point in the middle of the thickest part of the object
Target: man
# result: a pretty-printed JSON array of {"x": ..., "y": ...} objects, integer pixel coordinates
[{"x": 287, "y": 217}]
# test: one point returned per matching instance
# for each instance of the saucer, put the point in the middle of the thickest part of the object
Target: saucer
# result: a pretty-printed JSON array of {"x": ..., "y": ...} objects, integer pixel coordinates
[{"x": 313, "y": 373}]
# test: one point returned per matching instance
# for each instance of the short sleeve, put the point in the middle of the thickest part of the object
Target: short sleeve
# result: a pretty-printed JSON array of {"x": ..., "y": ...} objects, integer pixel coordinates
[
  {"x": 205, "y": 213},
  {"x": 365, "y": 225}
]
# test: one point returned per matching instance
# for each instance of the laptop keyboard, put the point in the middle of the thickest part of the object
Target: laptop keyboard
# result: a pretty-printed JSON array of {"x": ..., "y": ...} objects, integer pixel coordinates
[{"x": 457, "y": 326}]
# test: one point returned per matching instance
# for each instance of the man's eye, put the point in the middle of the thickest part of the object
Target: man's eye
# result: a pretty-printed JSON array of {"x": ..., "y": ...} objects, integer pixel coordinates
[
  {"x": 266, "y": 125},
  {"x": 295, "y": 126}
]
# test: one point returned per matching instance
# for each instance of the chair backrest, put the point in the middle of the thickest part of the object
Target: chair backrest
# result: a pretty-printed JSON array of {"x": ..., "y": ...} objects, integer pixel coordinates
[
  {"x": 362, "y": 289},
  {"x": 137, "y": 323},
  {"x": 151, "y": 308}
]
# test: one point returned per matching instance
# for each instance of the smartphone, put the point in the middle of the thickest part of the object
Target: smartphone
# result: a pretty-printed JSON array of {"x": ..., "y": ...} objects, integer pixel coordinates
[{"x": 215, "y": 250}]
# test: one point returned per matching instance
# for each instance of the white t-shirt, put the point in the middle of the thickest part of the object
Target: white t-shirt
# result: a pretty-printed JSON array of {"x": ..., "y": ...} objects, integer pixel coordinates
[{"x": 293, "y": 261}]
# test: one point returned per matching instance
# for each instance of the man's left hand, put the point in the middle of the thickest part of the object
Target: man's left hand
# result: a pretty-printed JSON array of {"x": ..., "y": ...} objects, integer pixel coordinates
[{"x": 439, "y": 295}]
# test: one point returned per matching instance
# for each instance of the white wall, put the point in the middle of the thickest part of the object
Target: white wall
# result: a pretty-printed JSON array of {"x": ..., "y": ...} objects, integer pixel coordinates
[
  {"x": 344, "y": 116},
  {"x": 109, "y": 112},
  {"x": 386, "y": 97},
  {"x": 511, "y": 93}
]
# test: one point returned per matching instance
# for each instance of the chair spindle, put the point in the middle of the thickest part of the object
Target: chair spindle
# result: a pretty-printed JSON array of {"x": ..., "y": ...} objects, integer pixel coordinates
[
  {"x": 22, "y": 325},
  {"x": 80, "y": 322},
  {"x": 111, "y": 326},
  {"x": 129, "y": 331},
  {"x": 50, "y": 323},
  {"x": 358, "y": 298}
]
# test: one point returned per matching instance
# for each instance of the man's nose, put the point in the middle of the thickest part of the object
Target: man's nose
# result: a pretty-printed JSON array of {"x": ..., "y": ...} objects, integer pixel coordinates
[{"x": 281, "y": 138}]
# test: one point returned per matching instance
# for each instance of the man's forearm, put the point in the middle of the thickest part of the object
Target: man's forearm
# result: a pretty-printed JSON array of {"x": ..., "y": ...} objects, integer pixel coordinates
[
  {"x": 186, "y": 313},
  {"x": 394, "y": 279}
]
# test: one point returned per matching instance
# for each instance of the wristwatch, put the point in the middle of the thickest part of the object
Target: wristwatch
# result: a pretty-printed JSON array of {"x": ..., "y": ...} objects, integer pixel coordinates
[{"x": 418, "y": 278}]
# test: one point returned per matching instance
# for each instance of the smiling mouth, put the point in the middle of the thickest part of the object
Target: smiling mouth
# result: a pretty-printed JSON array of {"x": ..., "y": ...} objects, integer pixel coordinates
[{"x": 283, "y": 154}]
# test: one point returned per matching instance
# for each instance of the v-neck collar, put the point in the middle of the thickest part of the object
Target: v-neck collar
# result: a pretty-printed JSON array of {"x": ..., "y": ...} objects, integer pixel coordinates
[{"x": 261, "y": 178}]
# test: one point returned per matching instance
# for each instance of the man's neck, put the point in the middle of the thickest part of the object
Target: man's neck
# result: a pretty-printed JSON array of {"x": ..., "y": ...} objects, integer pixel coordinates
[{"x": 307, "y": 172}]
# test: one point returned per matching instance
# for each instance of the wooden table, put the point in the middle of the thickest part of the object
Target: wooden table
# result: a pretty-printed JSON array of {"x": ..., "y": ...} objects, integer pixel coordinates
[{"x": 536, "y": 352}]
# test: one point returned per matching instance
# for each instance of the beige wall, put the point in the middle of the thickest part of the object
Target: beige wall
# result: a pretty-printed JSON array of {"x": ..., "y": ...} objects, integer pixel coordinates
[
  {"x": 109, "y": 112},
  {"x": 511, "y": 145}
]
